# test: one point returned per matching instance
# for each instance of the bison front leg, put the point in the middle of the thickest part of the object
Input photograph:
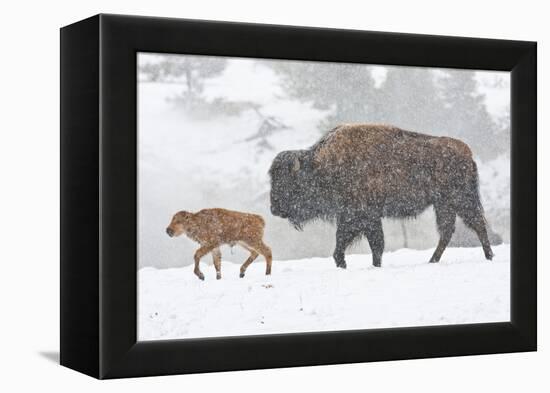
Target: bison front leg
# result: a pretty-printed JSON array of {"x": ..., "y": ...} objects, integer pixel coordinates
[
  {"x": 345, "y": 234},
  {"x": 375, "y": 235}
]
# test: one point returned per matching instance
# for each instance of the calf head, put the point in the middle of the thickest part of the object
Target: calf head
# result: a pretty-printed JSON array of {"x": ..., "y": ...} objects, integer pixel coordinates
[{"x": 180, "y": 221}]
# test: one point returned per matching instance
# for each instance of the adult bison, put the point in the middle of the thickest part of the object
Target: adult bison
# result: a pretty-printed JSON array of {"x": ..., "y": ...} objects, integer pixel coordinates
[{"x": 359, "y": 173}]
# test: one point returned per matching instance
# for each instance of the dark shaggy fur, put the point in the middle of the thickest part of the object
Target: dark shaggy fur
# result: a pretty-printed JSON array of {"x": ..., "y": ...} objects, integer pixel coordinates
[{"x": 357, "y": 174}]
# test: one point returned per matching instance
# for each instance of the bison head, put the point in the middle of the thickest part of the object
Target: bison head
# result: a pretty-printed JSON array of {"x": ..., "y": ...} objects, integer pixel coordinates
[{"x": 294, "y": 187}]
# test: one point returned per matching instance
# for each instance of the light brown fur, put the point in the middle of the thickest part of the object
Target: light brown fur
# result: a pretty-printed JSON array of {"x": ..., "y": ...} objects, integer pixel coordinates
[
  {"x": 212, "y": 228},
  {"x": 384, "y": 156}
]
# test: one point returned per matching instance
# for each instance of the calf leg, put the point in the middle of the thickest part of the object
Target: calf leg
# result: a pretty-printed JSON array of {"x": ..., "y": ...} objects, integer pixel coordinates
[
  {"x": 202, "y": 251},
  {"x": 251, "y": 258},
  {"x": 476, "y": 221},
  {"x": 258, "y": 247},
  {"x": 346, "y": 233},
  {"x": 266, "y": 252},
  {"x": 375, "y": 236},
  {"x": 445, "y": 218},
  {"x": 217, "y": 259}
]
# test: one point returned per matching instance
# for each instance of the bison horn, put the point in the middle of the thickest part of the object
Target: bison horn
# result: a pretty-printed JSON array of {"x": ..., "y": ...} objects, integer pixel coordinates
[{"x": 296, "y": 166}]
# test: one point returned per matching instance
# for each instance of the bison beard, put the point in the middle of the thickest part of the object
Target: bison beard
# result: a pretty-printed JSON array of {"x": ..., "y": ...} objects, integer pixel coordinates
[{"x": 358, "y": 174}]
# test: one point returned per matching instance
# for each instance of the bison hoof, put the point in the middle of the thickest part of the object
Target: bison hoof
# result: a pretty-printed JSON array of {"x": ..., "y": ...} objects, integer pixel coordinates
[
  {"x": 377, "y": 264},
  {"x": 200, "y": 276},
  {"x": 342, "y": 265},
  {"x": 241, "y": 275},
  {"x": 218, "y": 277},
  {"x": 433, "y": 260}
]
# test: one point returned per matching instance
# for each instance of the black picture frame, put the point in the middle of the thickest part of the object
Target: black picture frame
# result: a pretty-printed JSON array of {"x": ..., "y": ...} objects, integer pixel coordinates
[{"x": 99, "y": 209}]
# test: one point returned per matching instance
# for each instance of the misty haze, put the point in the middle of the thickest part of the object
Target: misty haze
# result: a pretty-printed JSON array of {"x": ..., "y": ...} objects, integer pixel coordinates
[
  {"x": 208, "y": 131},
  {"x": 209, "y": 128}
]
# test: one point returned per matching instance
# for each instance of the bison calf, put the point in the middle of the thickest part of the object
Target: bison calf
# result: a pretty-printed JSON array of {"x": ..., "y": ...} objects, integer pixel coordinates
[{"x": 212, "y": 228}]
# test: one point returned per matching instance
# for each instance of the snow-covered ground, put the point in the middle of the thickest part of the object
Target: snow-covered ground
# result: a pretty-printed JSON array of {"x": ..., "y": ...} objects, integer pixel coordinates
[{"x": 313, "y": 295}]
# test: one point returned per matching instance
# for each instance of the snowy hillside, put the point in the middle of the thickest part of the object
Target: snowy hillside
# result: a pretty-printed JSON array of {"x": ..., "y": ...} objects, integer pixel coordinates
[
  {"x": 313, "y": 295},
  {"x": 191, "y": 161}
]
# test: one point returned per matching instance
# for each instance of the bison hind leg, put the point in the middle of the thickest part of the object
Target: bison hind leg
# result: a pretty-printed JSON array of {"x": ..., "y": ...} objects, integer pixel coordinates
[
  {"x": 470, "y": 210},
  {"x": 475, "y": 220},
  {"x": 375, "y": 235},
  {"x": 446, "y": 219}
]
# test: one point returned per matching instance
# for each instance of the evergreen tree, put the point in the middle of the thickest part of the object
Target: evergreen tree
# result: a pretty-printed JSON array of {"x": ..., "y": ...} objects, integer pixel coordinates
[
  {"x": 410, "y": 99},
  {"x": 193, "y": 69},
  {"x": 467, "y": 117},
  {"x": 346, "y": 91},
  {"x": 192, "y": 72}
]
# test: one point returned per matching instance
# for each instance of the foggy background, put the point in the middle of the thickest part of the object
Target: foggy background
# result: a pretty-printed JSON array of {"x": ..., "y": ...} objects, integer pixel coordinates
[{"x": 209, "y": 127}]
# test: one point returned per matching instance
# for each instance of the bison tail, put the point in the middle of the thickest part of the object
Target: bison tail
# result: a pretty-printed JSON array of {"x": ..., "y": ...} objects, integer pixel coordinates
[{"x": 472, "y": 190}]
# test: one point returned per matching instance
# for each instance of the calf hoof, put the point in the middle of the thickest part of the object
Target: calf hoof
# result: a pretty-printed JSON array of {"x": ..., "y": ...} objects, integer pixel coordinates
[
  {"x": 377, "y": 264},
  {"x": 218, "y": 276},
  {"x": 200, "y": 276},
  {"x": 241, "y": 275},
  {"x": 489, "y": 255},
  {"x": 433, "y": 260},
  {"x": 342, "y": 265}
]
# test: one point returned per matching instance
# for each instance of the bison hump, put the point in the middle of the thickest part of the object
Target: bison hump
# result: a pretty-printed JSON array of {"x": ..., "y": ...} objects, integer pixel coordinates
[{"x": 355, "y": 142}]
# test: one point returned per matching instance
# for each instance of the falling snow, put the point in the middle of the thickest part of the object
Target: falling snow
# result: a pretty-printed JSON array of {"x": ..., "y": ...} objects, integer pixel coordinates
[{"x": 209, "y": 129}]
